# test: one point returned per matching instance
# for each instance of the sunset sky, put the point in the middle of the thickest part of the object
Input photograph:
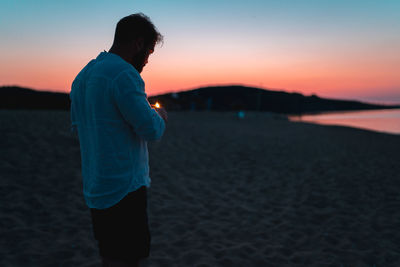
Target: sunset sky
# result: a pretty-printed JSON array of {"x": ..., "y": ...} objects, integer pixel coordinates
[{"x": 339, "y": 49}]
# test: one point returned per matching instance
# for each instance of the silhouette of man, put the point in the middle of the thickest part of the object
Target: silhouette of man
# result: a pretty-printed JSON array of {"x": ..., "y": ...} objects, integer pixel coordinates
[{"x": 114, "y": 121}]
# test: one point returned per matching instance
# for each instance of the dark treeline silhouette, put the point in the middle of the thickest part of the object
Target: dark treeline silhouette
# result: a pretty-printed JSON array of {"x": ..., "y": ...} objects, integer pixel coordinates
[{"x": 220, "y": 98}]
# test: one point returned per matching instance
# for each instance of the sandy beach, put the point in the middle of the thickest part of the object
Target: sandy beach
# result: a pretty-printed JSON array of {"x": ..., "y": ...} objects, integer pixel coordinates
[{"x": 261, "y": 191}]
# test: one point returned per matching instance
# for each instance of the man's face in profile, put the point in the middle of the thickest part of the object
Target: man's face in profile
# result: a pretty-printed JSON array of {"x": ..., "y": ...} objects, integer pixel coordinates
[{"x": 141, "y": 58}]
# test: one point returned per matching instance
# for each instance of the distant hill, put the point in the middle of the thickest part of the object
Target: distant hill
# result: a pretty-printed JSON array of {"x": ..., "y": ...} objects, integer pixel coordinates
[
  {"x": 13, "y": 97},
  {"x": 224, "y": 98},
  {"x": 220, "y": 98}
]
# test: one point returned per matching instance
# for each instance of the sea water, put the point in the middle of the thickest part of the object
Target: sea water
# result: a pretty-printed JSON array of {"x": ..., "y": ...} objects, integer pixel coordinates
[{"x": 386, "y": 120}]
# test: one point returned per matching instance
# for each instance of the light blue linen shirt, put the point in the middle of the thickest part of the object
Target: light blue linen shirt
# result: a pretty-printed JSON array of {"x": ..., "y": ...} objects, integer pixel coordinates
[{"x": 114, "y": 120}]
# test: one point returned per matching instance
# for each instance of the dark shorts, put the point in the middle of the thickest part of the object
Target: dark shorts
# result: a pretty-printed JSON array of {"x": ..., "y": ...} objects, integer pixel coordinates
[{"x": 122, "y": 231}]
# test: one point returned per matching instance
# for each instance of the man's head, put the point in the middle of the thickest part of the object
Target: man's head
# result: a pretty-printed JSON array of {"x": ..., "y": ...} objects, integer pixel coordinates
[{"x": 135, "y": 38}]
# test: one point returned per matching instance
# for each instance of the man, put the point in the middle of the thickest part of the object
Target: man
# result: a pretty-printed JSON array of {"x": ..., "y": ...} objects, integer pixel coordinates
[{"x": 114, "y": 120}]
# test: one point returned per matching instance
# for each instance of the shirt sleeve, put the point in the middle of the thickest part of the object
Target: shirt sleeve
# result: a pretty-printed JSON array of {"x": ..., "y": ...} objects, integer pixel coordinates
[
  {"x": 73, "y": 126},
  {"x": 132, "y": 102}
]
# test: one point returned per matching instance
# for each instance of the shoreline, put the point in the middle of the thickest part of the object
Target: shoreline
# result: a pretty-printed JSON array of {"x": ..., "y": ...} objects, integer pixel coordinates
[
  {"x": 272, "y": 115},
  {"x": 383, "y": 121}
]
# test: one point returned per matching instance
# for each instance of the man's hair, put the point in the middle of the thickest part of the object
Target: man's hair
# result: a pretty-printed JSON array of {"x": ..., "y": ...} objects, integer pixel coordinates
[{"x": 136, "y": 25}]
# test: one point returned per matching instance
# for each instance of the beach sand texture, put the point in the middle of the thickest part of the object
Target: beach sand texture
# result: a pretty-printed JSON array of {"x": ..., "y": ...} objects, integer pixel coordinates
[{"x": 261, "y": 191}]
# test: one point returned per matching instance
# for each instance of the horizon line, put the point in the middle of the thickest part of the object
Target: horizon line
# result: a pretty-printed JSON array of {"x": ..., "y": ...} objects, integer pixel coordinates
[{"x": 222, "y": 85}]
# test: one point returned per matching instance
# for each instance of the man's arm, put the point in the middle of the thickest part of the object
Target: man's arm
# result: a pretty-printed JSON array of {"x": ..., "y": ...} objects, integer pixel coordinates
[{"x": 132, "y": 102}]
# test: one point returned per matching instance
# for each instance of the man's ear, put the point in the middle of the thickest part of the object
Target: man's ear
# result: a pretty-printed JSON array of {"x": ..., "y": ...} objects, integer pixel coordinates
[{"x": 139, "y": 43}]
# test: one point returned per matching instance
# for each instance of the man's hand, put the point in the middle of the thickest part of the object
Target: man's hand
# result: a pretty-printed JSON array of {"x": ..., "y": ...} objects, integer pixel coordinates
[{"x": 163, "y": 113}]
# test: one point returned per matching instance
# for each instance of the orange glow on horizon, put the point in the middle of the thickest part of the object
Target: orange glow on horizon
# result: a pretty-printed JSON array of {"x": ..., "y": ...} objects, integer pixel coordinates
[{"x": 327, "y": 77}]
